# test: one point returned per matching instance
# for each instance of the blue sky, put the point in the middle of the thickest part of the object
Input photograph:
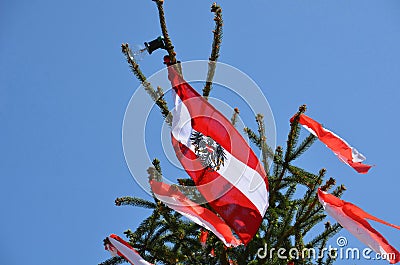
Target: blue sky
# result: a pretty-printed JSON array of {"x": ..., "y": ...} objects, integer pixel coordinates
[{"x": 64, "y": 87}]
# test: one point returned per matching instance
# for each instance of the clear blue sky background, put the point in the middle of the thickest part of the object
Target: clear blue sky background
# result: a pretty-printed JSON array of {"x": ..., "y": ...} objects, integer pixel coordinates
[{"x": 64, "y": 87}]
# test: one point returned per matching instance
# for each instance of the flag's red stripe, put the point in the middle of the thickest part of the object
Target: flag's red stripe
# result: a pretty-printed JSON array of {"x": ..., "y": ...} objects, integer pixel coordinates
[
  {"x": 210, "y": 122},
  {"x": 234, "y": 207},
  {"x": 336, "y": 144}
]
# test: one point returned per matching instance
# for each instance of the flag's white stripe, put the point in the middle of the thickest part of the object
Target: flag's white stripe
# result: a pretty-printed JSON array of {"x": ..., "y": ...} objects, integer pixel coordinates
[
  {"x": 234, "y": 171},
  {"x": 128, "y": 253},
  {"x": 181, "y": 122},
  {"x": 310, "y": 130},
  {"x": 357, "y": 156},
  {"x": 359, "y": 231},
  {"x": 180, "y": 207}
]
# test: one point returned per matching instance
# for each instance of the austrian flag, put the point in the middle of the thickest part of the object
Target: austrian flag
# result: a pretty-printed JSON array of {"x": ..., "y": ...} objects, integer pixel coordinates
[
  {"x": 340, "y": 147},
  {"x": 353, "y": 219},
  {"x": 218, "y": 159}
]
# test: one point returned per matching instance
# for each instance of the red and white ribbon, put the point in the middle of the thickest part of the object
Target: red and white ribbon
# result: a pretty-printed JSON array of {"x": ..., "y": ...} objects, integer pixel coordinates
[
  {"x": 340, "y": 147},
  {"x": 119, "y": 247},
  {"x": 353, "y": 219}
]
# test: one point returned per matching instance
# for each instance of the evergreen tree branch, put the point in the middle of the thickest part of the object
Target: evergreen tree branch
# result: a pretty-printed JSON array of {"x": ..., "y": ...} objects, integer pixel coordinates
[
  {"x": 311, "y": 222},
  {"x": 223, "y": 257},
  {"x": 303, "y": 147},
  {"x": 265, "y": 149},
  {"x": 167, "y": 257},
  {"x": 138, "y": 236},
  {"x": 152, "y": 227},
  {"x": 137, "y": 72},
  {"x": 217, "y": 10},
  {"x": 321, "y": 250},
  {"x": 162, "y": 232},
  {"x": 312, "y": 206},
  {"x": 301, "y": 173},
  {"x": 157, "y": 166},
  {"x": 186, "y": 182},
  {"x": 338, "y": 192},
  {"x": 294, "y": 179},
  {"x": 168, "y": 44},
  {"x": 156, "y": 96},
  {"x": 260, "y": 140},
  {"x": 114, "y": 261},
  {"x": 272, "y": 217},
  {"x": 329, "y": 231},
  {"x": 293, "y": 134},
  {"x": 291, "y": 142},
  {"x": 301, "y": 218},
  {"x": 253, "y": 136},
  {"x": 328, "y": 184},
  {"x": 155, "y": 172},
  {"x": 289, "y": 209},
  {"x": 278, "y": 161},
  {"x": 331, "y": 258},
  {"x": 162, "y": 104},
  {"x": 134, "y": 201},
  {"x": 312, "y": 191}
]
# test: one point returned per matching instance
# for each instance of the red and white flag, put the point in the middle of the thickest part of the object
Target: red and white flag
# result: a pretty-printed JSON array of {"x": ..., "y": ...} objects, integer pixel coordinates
[
  {"x": 340, "y": 147},
  {"x": 177, "y": 201},
  {"x": 218, "y": 159},
  {"x": 354, "y": 220},
  {"x": 119, "y": 247}
]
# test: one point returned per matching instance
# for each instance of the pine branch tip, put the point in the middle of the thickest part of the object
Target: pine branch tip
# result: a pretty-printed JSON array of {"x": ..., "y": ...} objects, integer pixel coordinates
[
  {"x": 303, "y": 108},
  {"x": 215, "y": 8},
  {"x": 124, "y": 48},
  {"x": 327, "y": 225},
  {"x": 118, "y": 202}
]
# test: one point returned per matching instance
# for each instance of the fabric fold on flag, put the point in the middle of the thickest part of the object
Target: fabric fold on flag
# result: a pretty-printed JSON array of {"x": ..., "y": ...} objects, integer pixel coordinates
[
  {"x": 177, "y": 201},
  {"x": 218, "y": 159},
  {"x": 353, "y": 219},
  {"x": 340, "y": 147},
  {"x": 119, "y": 247}
]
